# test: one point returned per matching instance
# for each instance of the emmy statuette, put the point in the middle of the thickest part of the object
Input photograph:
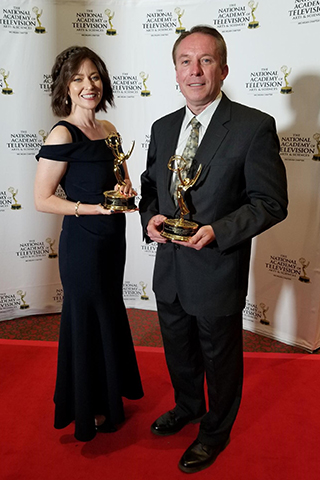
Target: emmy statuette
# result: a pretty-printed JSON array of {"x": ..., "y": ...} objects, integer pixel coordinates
[
  {"x": 23, "y": 305},
  {"x": 52, "y": 253},
  {"x": 264, "y": 320},
  {"x": 15, "y": 205},
  {"x": 144, "y": 296},
  {"x": 254, "y": 23},
  {"x": 114, "y": 200},
  {"x": 178, "y": 228},
  {"x": 110, "y": 31},
  {"x": 304, "y": 277},
  {"x": 316, "y": 156},
  {"x": 287, "y": 88},
  {"x": 5, "y": 90},
  {"x": 39, "y": 28},
  {"x": 179, "y": 13},
  {"x": 145, "y": 92}
]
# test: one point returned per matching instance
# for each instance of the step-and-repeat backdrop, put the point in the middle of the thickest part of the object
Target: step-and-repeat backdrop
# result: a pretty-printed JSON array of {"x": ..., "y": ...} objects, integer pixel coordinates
[{"x": 274, "y": 66}]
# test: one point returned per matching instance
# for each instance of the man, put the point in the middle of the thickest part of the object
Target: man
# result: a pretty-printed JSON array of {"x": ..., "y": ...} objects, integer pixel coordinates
[{"x": 201, "y": 284}]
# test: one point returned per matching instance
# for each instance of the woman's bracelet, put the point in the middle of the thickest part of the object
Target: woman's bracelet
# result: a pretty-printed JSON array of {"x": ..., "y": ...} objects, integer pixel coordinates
[{"x": 76, "y": 208}]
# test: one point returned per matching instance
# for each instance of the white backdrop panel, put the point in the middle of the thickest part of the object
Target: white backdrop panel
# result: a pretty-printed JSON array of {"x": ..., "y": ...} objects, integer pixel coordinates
[{"x": 273, "y": 67}]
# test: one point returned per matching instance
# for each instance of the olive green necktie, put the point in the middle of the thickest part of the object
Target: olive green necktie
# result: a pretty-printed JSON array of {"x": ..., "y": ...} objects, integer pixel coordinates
[{"x": 188, "y": 154}]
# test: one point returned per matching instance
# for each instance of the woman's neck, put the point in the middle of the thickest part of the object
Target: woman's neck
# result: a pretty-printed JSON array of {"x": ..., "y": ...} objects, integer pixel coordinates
[
  {"x": 83, "y": 119},
  {"x": 88, "y": 124}
]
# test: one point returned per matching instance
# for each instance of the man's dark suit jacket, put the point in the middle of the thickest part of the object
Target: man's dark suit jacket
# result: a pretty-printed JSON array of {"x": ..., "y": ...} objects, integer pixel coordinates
[{"x": 241, "y": 192}]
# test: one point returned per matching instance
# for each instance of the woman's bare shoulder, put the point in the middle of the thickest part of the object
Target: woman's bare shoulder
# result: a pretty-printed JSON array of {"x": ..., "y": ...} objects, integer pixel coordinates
[
  {"x": 59, "y": 135},
  {"x": 108, "y": 127}
]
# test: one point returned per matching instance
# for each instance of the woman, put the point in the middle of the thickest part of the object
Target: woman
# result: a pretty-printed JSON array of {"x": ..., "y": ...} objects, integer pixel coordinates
[{"x": 96, "y": 359}]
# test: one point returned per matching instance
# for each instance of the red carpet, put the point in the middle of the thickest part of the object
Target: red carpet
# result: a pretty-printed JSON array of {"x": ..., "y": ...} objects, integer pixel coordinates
[{"x": 276, "y": 435}]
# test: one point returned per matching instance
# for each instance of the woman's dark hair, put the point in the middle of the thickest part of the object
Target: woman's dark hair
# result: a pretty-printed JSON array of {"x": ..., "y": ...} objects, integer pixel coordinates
[{"x": 67, "y": 65}]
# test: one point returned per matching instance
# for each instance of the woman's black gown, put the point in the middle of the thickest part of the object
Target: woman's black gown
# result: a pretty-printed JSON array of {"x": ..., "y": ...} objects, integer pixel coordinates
[{"x": 96, "y": 359}]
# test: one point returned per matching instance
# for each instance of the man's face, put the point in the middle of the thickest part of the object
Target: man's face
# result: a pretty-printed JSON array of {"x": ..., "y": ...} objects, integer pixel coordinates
[{"x": 198, "y": 70}]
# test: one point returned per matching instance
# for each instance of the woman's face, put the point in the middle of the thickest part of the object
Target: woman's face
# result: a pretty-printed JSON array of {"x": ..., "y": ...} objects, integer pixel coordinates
[{"x": 86, "y": 88}]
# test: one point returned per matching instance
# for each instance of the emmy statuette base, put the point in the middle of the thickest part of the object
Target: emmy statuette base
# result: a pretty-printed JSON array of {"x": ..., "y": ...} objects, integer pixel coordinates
[
  {"x": 286, "y": 90},
  {"x": 116, "y": 201},
  {"x": 316, "y": 157},
  {"x": 253, "y": 25},
  {"x": 264, "y": 322},
  {"x": 179, "y": 229},
  {"x": 110, "y": 31},
  {"x": 304, "y": 279}
]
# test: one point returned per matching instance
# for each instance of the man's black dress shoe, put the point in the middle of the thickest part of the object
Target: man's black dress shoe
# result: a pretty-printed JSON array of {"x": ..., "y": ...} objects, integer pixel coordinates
[
  {"x": 200, "y": 456},
  {"x": 170, "y": 423},
  {"x": 106, "y": 427}
]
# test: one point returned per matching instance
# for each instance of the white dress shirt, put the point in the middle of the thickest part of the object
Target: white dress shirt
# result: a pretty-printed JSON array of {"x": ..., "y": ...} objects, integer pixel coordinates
[{"x": 204, "y": 119}]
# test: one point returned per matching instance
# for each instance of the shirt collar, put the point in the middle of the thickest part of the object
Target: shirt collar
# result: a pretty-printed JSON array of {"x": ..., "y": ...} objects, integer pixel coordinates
[{"x": 205, "y": 116}]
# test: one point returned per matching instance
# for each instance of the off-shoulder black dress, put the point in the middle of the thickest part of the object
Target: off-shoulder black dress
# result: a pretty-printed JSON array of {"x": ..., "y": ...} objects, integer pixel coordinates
[{"x": 96, "y": 359}]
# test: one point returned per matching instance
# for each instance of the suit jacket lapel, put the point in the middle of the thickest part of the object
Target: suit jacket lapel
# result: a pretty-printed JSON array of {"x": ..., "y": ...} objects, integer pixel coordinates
[
  {"x": 215, "y": 133},
  {"x": 210, "y": 143},
  {"x": 172, "y": 137}
]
